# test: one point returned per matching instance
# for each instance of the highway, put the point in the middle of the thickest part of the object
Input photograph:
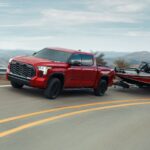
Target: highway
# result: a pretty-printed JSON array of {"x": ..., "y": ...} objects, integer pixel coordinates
[{"x": 77, "y": 120}]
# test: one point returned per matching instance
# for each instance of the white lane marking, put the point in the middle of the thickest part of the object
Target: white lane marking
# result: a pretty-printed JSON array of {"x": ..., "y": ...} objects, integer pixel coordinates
[{"x": 4, "y": 86}]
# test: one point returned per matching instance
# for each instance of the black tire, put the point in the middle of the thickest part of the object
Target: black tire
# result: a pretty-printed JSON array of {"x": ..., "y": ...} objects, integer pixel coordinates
[
  {"x": 16, "y": 85},
  {"x": 53, "y": 89},
  {"x": 101, "y": 88}
]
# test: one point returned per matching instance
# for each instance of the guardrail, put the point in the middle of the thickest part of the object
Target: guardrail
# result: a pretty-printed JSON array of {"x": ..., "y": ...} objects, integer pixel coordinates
[{"x": 3, "y": 71}]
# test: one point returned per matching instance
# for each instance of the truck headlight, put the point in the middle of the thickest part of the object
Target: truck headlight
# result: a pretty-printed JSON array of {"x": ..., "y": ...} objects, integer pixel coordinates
[{"x": 44, "y": 69}]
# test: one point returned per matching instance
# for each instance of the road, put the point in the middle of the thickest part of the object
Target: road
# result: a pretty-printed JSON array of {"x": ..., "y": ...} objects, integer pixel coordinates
[{"x": 77, "y": 120}]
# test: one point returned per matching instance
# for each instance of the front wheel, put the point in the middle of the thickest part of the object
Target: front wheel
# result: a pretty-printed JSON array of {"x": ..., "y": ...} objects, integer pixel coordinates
[
  {"x": 16, "y": 85},
  {"x": 53, "y": 89},
  {"x": 101, "y": 88}
]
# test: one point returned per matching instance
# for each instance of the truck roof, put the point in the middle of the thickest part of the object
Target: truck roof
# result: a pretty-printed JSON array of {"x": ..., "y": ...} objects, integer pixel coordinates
[{"x": 69, "y": 50}]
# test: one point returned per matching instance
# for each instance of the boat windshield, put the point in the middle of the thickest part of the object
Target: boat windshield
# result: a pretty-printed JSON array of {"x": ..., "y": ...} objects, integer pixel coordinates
[{"x": 145, "y": 67}]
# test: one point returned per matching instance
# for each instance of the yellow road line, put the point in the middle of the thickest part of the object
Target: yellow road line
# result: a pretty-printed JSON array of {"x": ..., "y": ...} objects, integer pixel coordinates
[
  {"x": 64, "y": 108},
  {"x": 36, "y": 123}
]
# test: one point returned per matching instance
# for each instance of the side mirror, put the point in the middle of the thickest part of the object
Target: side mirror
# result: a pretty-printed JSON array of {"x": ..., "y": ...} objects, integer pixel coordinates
[{"x": 75, "y": 63}]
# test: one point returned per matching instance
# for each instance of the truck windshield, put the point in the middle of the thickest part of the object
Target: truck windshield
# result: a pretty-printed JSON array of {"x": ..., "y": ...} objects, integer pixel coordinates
[{"x": 54, "y": 55}]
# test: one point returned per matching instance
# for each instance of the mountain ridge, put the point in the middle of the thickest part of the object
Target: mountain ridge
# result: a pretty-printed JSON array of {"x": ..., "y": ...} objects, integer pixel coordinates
[{"x": 109, "y": 56}]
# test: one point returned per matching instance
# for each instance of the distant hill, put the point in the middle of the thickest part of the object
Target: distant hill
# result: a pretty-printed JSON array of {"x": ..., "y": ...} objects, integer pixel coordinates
[
  {"x": 110, "y": 56},
  {"x": 5, "y": 55},
  {"x": 3, "y": 62},
  {"x": 114, "y": 54},
  {"x": 133, "y": 58},
  {"x": 138, "y": 57}
]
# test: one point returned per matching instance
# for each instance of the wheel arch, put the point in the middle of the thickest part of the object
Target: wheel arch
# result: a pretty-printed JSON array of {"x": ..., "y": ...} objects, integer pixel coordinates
[
  {"x": 106, "y": 78},
  {"x": 103, "y": 77},
  {"x": 60, "y": 76}
]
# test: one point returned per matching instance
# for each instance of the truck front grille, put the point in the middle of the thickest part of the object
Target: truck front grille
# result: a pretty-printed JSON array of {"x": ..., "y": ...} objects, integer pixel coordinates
[{"x": 22, "y": 69}]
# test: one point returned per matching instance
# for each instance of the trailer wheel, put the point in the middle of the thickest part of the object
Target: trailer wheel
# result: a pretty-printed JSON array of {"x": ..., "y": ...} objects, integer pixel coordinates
[{"x": 101, "y": 88}]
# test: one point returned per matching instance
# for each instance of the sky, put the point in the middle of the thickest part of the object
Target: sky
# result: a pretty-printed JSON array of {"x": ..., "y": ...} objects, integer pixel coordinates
[{"x": 104, "y": 25}]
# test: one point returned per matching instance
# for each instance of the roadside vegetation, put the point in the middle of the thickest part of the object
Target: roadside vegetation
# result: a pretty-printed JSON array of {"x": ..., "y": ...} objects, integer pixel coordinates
[
  {"x": 121, "y": 63},
  {"x": 100, "y": 60}
]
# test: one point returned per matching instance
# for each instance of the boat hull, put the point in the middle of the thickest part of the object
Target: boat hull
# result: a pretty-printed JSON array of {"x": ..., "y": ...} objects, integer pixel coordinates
[{"x": 140, "y": 80}]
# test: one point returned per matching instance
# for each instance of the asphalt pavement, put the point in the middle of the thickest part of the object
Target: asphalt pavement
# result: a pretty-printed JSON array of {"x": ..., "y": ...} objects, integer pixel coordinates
[{"x": 77, "y": 120}]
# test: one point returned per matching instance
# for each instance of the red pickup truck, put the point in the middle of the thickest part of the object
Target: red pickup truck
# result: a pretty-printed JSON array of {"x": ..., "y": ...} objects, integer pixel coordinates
[{"x": 54, "y": 69}]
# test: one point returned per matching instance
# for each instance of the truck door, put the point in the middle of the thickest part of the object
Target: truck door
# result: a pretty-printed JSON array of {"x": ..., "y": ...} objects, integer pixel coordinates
[
  {"x": 74, "y": 72},
  {"x": 89, "y": 70}
]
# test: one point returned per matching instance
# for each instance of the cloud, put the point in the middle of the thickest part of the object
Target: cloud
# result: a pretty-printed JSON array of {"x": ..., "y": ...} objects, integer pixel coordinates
[
  {"x": 34, "y": 38},
  {"x": 124, "y": 6},
  {"x": 94, "y": 12},
  {"x": 28, "y": 38},
  {"x": 138, "y": 33},
  {"x": 19, "y": 25},
  {"x": 30, "y": 42},
  {"x": 4, "y": 4},
  {"x": 68, "y": 17},
  {"x": 134, "y": 8},
  {"x": 83, "y": 23}
]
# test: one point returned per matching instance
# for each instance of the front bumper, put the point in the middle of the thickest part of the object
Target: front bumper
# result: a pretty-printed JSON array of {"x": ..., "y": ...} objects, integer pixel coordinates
[
  {"x": 32, "y": 82},
  {"x": 18, "y": 79}
]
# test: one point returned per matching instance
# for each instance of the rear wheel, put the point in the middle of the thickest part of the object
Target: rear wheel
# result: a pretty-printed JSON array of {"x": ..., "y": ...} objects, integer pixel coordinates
[
  {"x": 101, "y": 88},
  {"x": 53, "y": 89},
  {"x": 16, "y": 85}
]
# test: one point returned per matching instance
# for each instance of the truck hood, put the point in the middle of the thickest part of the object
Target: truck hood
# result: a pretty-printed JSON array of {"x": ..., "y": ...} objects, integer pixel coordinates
[{"x": 39, "y": 61}]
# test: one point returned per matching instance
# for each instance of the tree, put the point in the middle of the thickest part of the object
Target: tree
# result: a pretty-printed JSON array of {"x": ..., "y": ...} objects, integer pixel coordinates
[
  {"x": 99, "y": 58},
  {"x": 121, "y": 63}
]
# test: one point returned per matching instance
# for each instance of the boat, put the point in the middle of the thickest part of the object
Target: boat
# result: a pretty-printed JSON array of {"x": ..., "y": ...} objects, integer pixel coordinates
[{"x": 134, "y": 76}]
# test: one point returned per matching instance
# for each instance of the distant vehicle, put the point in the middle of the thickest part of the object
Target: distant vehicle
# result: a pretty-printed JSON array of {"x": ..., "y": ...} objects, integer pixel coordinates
[
  {"x": 54, "y": 69},
  {"x": 138, "y": 76}
]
